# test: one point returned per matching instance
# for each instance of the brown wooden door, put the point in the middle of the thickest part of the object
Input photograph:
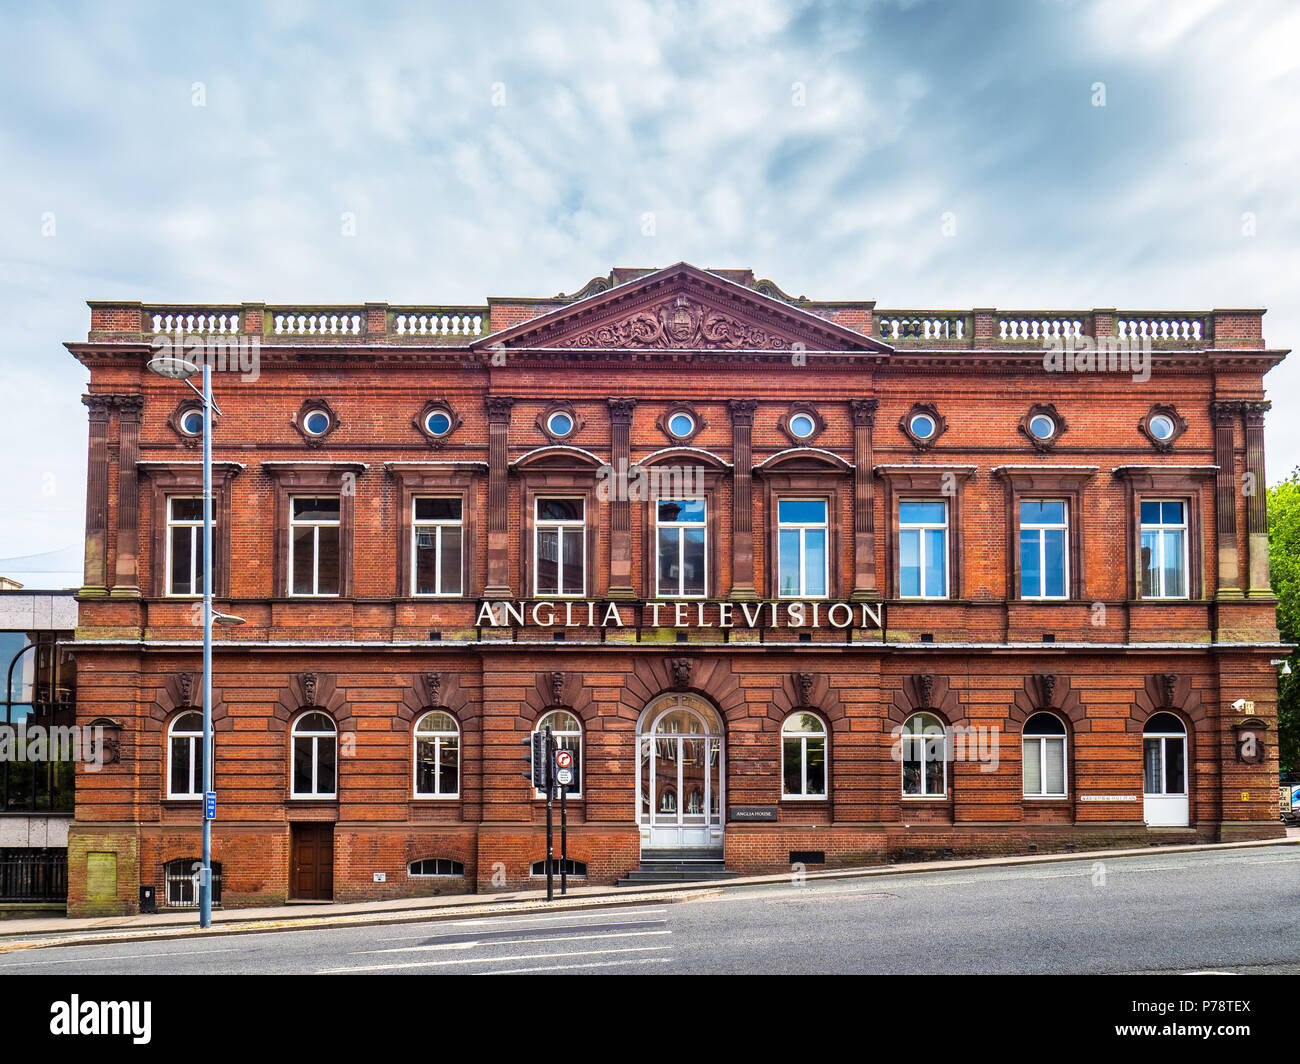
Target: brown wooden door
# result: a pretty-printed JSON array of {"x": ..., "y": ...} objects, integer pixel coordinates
[{"x": 311, "y": 872}]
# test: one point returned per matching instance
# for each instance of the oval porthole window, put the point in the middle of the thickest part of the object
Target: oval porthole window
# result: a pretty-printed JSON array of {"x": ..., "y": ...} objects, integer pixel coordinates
[
  {"x": 922, "y": 426},
  {"x": 560, "y": 423},
  {"x": 1161, "y": 426},
  {"x": 191, "y": 422},
  {"x": 681, "y": 424},
  {"x": 316, "y": 423},
  {"x": 1042, "y": 427},
  {"x": 437, "y": 423},
  {"x": 803, "y": 426}
]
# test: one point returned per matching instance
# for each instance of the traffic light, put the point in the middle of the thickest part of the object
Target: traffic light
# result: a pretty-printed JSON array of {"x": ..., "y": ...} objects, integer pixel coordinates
[{"x": 535, "y": 758}]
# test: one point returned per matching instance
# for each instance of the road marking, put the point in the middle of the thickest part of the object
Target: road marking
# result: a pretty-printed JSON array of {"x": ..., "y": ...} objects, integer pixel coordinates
[
  {"x": 123, "y": 957},
  {"x": 572, "y": 967},
  {"x": 492, "y": 960},
  {"x": 511, "y": 942},
  {"x": 408, "y": 949},
  {"x": 829, "y": 898},
  {"x": 601, "y": 914}
]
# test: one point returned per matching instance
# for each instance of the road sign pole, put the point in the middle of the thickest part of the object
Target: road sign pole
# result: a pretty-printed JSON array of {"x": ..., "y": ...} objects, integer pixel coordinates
[
  {"x": 550, "y": 821},
  {"x": 564, "y": 838}
]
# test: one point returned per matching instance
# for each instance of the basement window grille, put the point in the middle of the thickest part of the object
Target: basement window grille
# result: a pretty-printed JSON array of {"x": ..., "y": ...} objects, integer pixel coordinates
[
  {"x": 182, "y": 879},
  {"x": 436, "y": 866},
  {"x": 569, "y": 867},
  {"x": 807, "y": 857}
]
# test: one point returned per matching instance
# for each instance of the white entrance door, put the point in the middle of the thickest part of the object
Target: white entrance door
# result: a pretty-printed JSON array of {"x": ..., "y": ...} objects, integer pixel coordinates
[
  {"x": 1164, "y": 772},
  {"x": 680, "y": 776}
]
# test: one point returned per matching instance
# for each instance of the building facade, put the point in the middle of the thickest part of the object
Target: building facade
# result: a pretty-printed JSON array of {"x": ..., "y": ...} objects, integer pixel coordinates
[
  {"x": 38, "y": 754},
  {"x": 794, "y": 581}
]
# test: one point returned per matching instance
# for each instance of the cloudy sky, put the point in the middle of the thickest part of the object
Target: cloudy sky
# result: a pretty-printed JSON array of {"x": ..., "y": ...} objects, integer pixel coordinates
[{"x": 518, "y": 149}]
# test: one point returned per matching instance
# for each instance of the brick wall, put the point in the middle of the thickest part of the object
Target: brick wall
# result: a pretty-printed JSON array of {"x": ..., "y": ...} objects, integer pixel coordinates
[{"x": 494, "y": 827}]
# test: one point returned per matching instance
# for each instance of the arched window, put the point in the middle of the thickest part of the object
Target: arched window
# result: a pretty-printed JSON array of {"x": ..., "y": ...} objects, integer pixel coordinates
[
  {"x": 571, "y": 868},
  {"x": 315, "y": 757},
  {"x": 437, "y": 756},
  {"x": 1042, "y": 747},
  {"x": 185, "y": 756},
  {"x": 1164, "y": 756},
  {"x": 803, "y": 756},
  {"x": 567, "y": 732},
  {"x": 435, "y": 866},
  {"x": 924, "y": 753},
  {"x": 182, "y": 883}
]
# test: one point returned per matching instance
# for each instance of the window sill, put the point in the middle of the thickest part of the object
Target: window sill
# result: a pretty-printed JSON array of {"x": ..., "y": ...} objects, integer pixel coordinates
[
  {"x": 1049, "y": 798},
  {"x": 805, "y": 798},
  {"x": 925, "y": 797},
  {"x": 435, "y": 798}
]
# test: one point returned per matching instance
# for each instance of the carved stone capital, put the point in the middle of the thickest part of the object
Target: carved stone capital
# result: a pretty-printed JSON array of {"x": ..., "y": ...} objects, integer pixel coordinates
[
  {"x": 742, "y": 410},
  {"x": 1225, "y": 411},
  {"x": 620, "y": 410},
  {"x": 98, "y": 405},
  {"x": 1254, "y": 410},
  {"x": 863, "y": 411},
  {"x": 498, "y": 407}
]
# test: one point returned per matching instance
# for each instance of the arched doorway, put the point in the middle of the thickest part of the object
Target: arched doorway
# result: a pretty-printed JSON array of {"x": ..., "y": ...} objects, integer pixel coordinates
[
  {"x": 681, "y": 776},
  {"x": 1164, "y": 771}
]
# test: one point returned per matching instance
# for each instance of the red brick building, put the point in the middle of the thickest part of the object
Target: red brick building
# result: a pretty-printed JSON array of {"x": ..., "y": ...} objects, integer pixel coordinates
[{"x": 796, "y": 581}]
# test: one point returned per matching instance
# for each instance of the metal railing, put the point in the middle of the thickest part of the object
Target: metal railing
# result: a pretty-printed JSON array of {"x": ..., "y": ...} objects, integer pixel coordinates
[
  {"x": 181, "y": 884},
  {"x": 33, "y": 877}
]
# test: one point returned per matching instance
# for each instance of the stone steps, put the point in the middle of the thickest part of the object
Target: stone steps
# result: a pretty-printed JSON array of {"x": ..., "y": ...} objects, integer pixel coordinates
[{"x": 678, "y": 866}]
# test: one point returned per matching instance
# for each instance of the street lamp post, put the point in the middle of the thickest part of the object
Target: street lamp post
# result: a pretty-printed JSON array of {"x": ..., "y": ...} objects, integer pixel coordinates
[{"x": 176, "y": 368}]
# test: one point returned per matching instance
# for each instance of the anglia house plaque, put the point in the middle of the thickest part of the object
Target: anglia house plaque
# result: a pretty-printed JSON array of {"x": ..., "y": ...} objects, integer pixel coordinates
[{"x": 746, "y": 813}]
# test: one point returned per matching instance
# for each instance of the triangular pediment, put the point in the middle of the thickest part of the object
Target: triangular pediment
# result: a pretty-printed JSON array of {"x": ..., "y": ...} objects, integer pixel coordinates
[{"x": 682, "y": 308}]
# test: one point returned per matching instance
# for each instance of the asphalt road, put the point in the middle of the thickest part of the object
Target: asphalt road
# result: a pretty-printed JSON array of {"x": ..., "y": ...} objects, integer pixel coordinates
[{"x": 1220, "y": 911}]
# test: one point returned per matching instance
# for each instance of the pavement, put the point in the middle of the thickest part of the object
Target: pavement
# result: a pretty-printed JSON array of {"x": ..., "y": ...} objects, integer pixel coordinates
[{"x": 47, "y": 931}]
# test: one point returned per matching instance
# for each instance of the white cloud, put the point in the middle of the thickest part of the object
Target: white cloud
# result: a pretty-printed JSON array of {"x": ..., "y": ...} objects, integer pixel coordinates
[{"x": 685, "y": 110}]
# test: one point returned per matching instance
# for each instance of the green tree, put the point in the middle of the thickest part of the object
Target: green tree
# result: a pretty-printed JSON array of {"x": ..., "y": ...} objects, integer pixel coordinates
[{"x": 1284, "y": 559}]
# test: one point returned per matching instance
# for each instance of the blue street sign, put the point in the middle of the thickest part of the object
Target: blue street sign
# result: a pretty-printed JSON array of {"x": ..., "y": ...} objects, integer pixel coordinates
[{"x": 210, "y": 806}]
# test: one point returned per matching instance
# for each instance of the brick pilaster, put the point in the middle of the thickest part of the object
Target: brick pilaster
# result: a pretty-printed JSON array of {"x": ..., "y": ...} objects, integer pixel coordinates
[
  {"x": 742, "y": 492},
  {"x": 1224, "y": 415},
  {"x": 498, "y": 516},
  {"x": 126, "y": 575},
  {"x": 96, "y": 574},
  {"x": 620, "y": 529},
  {"x": 864, "y": 500},
  {"x": 1256, "y": 501}
]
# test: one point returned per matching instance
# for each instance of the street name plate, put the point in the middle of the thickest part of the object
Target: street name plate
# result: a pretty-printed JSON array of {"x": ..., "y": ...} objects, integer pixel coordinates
[{"x": 1108, "y": 797}]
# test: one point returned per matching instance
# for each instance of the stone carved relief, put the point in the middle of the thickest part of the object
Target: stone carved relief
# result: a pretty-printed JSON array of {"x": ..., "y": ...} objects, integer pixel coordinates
[{"x": 681, "y": 323}]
